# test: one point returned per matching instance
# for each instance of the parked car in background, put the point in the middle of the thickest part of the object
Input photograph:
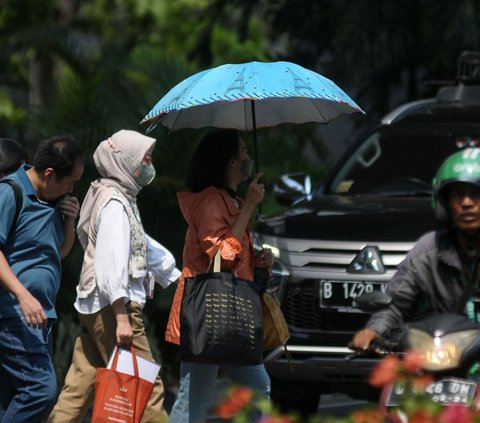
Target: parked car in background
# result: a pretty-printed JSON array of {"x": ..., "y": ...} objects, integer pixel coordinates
[{"x": 348, "y": 235}]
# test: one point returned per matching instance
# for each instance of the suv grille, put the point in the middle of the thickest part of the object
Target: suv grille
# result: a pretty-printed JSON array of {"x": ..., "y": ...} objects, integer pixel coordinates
[
  {"x": 301, "y": 308},
  {"x": 319, "y": 259},
  {"x": 311, "y": 261}
]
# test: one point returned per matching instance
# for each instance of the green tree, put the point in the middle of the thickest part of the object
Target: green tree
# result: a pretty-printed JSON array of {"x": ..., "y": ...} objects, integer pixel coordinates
[
  {"x": 35, "y": 36},
  {"x": 383, "y": 50}
]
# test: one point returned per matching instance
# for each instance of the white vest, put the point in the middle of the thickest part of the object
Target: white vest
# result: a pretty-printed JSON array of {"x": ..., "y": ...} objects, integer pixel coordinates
[{"x": 137, "y": 266}]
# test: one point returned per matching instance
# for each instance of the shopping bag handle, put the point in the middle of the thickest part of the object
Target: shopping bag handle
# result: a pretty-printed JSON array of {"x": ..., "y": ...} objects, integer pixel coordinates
[
  {"x": 217, "y": 261},
  {"x": 134, "y": 359}
]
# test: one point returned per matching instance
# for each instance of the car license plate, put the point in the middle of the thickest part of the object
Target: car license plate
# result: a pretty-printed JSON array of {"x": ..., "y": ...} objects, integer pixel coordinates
[
  {"x": 443, "y": 391},
  {"x": 340, "y": 294}
]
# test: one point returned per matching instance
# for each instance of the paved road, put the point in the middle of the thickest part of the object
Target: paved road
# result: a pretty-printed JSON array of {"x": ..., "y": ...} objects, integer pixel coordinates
[
  {"x": 338, "y": 405},
  {"x": 332, "y": 405}
]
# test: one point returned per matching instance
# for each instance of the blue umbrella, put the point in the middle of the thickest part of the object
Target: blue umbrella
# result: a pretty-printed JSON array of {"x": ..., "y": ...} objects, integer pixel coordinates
[{"x": 247, "y": 96}]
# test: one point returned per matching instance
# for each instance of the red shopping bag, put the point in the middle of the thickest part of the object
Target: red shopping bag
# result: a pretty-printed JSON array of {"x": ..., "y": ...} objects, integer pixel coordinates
[{"x": 120, "y": 397}]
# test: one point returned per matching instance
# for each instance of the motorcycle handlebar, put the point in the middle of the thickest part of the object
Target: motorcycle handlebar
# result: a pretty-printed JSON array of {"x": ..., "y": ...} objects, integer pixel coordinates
[
  {"x": 385, "y": 345},
  {"x": 378, "y": 347}
]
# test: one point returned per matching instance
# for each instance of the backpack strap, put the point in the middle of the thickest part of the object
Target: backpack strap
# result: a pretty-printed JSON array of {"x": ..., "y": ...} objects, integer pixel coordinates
[{"x": 17, "y": 193}]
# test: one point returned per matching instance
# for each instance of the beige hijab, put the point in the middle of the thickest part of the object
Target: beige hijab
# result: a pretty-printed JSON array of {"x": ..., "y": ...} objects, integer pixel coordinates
[{"x": 113, "y": 161}]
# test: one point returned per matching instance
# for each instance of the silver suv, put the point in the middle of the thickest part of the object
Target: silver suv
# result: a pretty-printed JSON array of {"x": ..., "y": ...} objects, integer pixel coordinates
[{"x": 348, "y": 235}]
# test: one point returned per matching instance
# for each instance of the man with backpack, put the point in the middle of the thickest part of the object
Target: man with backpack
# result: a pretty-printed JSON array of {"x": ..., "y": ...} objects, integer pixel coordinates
[{"x": 31, "y": 247}]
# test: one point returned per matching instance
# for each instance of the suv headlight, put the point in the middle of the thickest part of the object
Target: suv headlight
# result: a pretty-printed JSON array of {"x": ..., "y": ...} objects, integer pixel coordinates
[
  {"x": 280, "y": 272},
  {"x": 275, "y": 250},
  {"x": 440, "y": 352}
]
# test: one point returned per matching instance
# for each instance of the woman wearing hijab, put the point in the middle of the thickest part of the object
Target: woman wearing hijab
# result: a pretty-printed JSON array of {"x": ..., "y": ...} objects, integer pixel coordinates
[
  {"x": 120, "y": 265},
  {"x": 217, "y": 219}
]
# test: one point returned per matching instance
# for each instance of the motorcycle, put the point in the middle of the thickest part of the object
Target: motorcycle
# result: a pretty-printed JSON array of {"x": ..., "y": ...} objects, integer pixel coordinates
[{"x": 448, "y": 345}]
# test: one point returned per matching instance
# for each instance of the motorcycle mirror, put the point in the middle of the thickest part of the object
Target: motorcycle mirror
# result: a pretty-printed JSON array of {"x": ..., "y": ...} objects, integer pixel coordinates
[{"x": 372, "y": 301}]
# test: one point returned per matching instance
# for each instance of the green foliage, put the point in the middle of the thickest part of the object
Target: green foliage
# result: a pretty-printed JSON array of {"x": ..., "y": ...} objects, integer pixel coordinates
[
  {"x": 383, "y": 50},
  {"x": 9, "y": 110},
  {"x": 227, "y": 48}
]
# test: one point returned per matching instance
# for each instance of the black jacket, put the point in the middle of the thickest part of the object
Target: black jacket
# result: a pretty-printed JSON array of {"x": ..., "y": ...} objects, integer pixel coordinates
[{"x": 430, "y": 280}]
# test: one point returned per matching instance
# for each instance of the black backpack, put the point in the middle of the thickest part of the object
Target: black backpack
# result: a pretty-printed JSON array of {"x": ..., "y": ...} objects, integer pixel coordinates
[{"x": 17, "y": 192}]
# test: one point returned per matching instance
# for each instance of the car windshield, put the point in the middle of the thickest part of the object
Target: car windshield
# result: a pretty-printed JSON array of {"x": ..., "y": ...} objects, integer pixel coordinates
[{"x": 396, "y": 161}]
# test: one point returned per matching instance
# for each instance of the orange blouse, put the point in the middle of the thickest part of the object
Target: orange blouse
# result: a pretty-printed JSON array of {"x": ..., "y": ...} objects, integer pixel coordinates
[{"x": 210, "y": 215}]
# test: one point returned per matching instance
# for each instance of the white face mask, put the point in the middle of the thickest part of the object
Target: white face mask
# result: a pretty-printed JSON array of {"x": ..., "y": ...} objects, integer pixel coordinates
[
  {"x": 142, "y": 174},
  {"x": 146, "y": 175}
]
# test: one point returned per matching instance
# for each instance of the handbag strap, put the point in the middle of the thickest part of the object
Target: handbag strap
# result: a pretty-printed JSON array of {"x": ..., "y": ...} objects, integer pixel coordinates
[
  {"x": 135, "y": 372},
  {"x": 115, "y": 359},
  {"x": 217, "y": 260},
  {"x": 134, "y": 359}
]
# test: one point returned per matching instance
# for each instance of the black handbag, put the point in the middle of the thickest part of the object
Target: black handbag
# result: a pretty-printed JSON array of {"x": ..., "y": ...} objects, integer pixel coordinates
[{"x": 221, "y": 319}]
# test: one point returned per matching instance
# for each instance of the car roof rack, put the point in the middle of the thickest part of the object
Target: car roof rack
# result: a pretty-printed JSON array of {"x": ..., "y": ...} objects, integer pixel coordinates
[
  {"x": 468, "y": 72},
  {"x": 467, "y": 81},
  {"x": 465, "y": 88},
  {"x": 468, "y": 68}
]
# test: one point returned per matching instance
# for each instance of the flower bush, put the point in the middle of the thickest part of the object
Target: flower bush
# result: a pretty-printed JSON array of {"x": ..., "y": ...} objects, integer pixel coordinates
[{"x": 414, "y": 404}]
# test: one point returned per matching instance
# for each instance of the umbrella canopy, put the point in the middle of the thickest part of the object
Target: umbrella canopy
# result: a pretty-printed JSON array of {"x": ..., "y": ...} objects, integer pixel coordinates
[{"x": 251, "y": 95}]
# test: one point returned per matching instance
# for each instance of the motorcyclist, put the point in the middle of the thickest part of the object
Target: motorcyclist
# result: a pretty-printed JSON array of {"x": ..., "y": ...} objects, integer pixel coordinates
[{"x": 435, "y": 276}]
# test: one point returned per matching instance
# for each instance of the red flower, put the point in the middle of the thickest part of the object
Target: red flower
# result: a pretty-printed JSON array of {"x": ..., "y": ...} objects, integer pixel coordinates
[
  {"x": 226, "y": 410},
  {"x": 368, "y": 416},
  {"x": 421, "y": 382},
  {"x": 241, "y": 396},
  {"x": 385, "y": 372},
  {"x": 422, "y": 416},
  {"x": 412, "y": 362},
  {"x": 455, "y": 414},
  {"x": 238, "y": 398}
]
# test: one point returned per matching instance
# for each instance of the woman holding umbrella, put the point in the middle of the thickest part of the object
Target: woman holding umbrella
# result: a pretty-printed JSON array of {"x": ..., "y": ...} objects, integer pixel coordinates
[{"x": 217, "y": 218}]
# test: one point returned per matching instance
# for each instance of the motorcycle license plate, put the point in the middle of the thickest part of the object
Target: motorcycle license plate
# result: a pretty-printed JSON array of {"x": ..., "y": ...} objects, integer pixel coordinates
[
  {"x": 340, "y": 294},
  {"x": 444, "y": 391}
]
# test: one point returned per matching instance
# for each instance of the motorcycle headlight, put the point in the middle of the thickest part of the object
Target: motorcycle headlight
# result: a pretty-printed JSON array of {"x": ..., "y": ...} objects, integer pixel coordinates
[{"x": 440, "y": 352}]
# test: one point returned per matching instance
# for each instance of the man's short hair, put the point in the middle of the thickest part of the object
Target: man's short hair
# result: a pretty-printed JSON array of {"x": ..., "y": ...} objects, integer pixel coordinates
[{"x": 61, "y": 153}]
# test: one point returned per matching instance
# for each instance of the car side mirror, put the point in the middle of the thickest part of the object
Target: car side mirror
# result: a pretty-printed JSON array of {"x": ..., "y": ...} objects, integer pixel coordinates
[{"x": 292, "y": 187}]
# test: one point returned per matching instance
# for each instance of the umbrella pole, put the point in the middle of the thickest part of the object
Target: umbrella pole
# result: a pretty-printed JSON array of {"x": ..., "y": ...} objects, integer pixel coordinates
[
  {"x": 254, "y": 129},
  {"x": 260, "y": 217}
]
